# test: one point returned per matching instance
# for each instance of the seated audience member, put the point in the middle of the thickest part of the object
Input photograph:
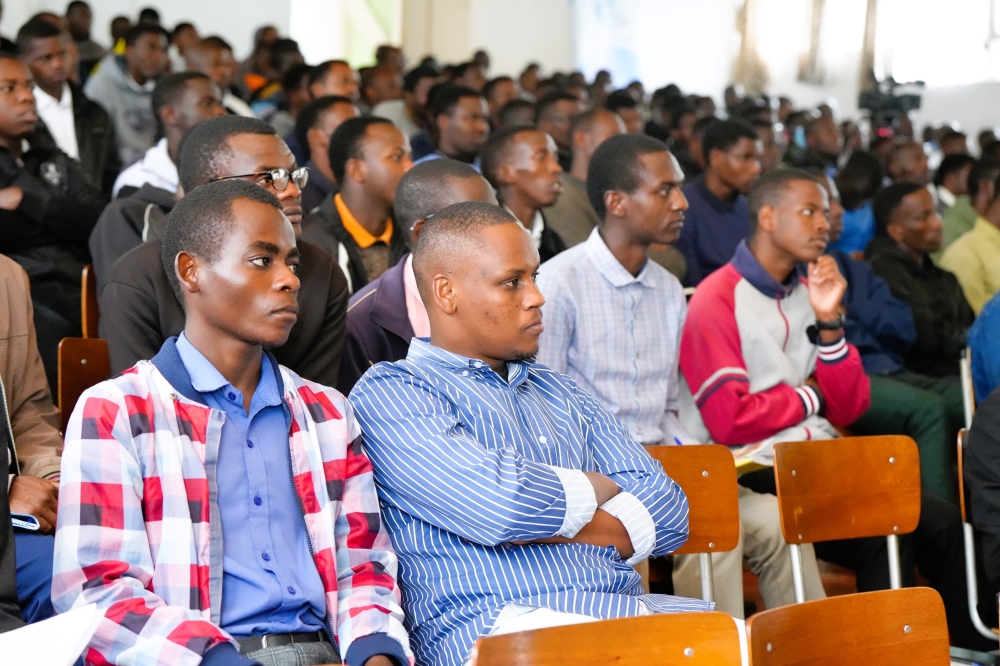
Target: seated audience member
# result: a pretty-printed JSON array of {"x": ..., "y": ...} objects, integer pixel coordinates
[
  {"x": 213, "y": 56},
  {"x": 123, "y": 85},
  {"x": 139, "y": 310},
  {"x": 804, "y": 383},
  {"x": 334, "y": 78},
  {"x": 294, "y": 96},
  {"x": 555, "y": 474},
  {"x": 460, "y": 119},
  {"x": 180, "y": 101},
  {"x": 287, "y": 517},
  {"x": 368, "y": 156},
  {"x": 692, "y": 159},
  {"x": 385, "y": 314},
  {"x": 409, "y": 112},
  {"x": 78, "y": 22},
  {"x": 975, "y": 257},
  {"x": 613, "y": 324},
  {"x": 951, "y": 180},
  {"x": 80, "y": 127},
  {"x": 48, "y": 206},
  {"x": 717, "y": 219},
  {"x": 823, "y": 145},
  {"x": 908, "y": 231},
  {"x": 954, "y": 143},
  {"x": 380, "y": 84},
  {"x": 554, "y": 115},
  {"x": 985, "y": 358},
  {"x": 771, "y": 145},
  {"x": 32, "y": 445},
  {"x": 317, "y": 122},
  {"x": 183, "y": 38},
  {"x": 858, "y": 183},
  {"x": 517, "y": 112},
  {"x": 498, "y": 93},
  {"x": 960, "y": 218},
  {"x": 908, "y": 164},
  {"x": 520, "y": 162},
  {"x": 626, "y": 106},
  {"x": 572, "y": 216},
  {"x": 282, "y": 56},
  {"x": 469, "y": 74}
]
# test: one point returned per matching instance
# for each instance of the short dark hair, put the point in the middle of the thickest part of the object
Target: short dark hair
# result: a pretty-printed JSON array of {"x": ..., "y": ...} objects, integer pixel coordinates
[
  {"x": 149, "y": 15},
  {"x": 317, "y": 73},
  {"x": 888, "y": 200},
  {"x": 702, "y": 124},
  {"x": 860, "y": 179},
  {"x": 678, "y": 111},
  {"x": 585, "y": 120},
  {"x": 420, "y": 189},
  {"x": 512, "y": 106},
  {"x": 215, "y": 41},
  {"x": 293, "y": 78},
  {"x": 136, "y": 32},
  {"x": 198, "y": 224},
  {"x": 309, "y": 116},
  {"x": 614, "y": 166},
  {"x": 413, "y": 77},
  {"x": 620, "y": 99},
  {"x": 770, "y": 188},
  {"x": 444, "y": 97},
  {"x": 496, "y": 149},
  {"x": 493, "y": 83},
  {"x": 76, "y": 4},
  {"x": 551, "y": 99},
  {"x": 460, "y": 69},
  {"x": 985, "y": 169},
  {"x": 205, "y": 150},
  {"x": 281, "y": 48},
  {"x": 168, "y": 90},
  {"x": 35, "y": 28},
  {"x": 952, "y": 164},
  {"x": 179, "y": 28},
  {"x": 345, "y": 144},
  {"x": 725, "y": 134}
]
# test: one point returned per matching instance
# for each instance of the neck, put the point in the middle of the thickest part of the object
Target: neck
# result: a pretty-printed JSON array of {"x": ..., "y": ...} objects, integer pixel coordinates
[
  {"x": 630, "y": 253},
  {"x": 322, "y": 164},
  {"x": 916, "y": 255},
  {"x": 442, "y": 340},
  {"x": 137, "y": 77},
  {"x": 581, "y": 163},
  {"x": 174, "y": 137},
  {"x": 449, "y": 150},
  {"x": 54, "y": 91},
  {"x": 992, "y": 214},
  {"x": 371, "y": 215},
  {"x": 238, "y": 361},
  {"x": 720, "y": 189},
  {"x": 524, "y": 211},
  {"x": 778, "y": 263},
  {"x": 12, "y": 144}
]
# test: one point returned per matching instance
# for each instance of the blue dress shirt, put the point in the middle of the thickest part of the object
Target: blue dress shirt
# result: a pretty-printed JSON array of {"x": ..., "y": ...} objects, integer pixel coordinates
[
  {"x": 712, "y": 230},
  {"x": 270, "y": 583},
  {"x": 985, "y": 348}
]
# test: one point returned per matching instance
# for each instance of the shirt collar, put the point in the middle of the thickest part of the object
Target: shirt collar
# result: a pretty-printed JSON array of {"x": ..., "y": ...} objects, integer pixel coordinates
[
  {"x": 946, "y": 196},
  {"x": 608, "y": 266},
  {"x": 751, "y": 270},
  {"x": 537, "y": 226},
  {"x": 715, "y": 202},
  {"x": 64, "y": 102},
  {"x": 361, "y": 236},
  {"x": 987, "y": 230},
  {"x": 422, "y": 352},
  {"x": 205, "y": 377}
]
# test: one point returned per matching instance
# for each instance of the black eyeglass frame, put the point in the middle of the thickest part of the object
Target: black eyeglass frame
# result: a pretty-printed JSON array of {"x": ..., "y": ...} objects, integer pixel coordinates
[{"x": 276, "y": 176}]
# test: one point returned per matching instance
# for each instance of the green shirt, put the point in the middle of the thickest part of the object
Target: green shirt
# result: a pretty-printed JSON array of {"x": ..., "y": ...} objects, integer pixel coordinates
[
  {"x": 956, "y": 221},
  {"x": 975, "y": 260}
]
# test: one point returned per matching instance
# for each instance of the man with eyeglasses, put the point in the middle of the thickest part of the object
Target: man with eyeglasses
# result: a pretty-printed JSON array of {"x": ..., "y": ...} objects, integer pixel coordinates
[{"x": 139, "y": 309}]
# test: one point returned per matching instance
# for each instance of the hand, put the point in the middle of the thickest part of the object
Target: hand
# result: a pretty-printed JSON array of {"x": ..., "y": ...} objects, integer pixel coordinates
[
  {"x": 380, "y": 660},
  {"x": 604, "y": 487},
  {"x": 37, "y": 497},
  {"x": 603, "y": 530},
  {"x": 10, "y": 198},
  {"x": 826, "y": 288}
]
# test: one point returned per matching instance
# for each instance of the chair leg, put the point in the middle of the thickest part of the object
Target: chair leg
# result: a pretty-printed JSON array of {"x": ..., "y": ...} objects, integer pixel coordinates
[
  {"x": 971, "y": 583},
  {"x": 795, "y": 552},
  {"x": 707, "y": 576},
  {"x": 895, "y": 579}
]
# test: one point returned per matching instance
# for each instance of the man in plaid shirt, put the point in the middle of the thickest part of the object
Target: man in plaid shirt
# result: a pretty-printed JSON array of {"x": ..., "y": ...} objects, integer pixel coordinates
[{"x": 216, "y": 506}]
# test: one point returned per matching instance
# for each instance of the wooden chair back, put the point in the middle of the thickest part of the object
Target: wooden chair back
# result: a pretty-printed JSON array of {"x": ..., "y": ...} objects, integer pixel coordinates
[
  {"x": 88, "y": 301},
  {"x": 905, "y": 627},
  {"x": 83, "y": 362},
  {"x": 688, "y": 639},
  {"x": 847, "y": 488},
  {"x": 963, "y": 499}
]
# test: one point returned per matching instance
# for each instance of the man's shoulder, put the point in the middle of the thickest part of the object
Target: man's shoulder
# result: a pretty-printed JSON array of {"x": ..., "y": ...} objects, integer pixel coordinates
[
  {"x": 566, "y": 263},
  {"x": 323, "y": 403},
  {"x": 140, "y": 265},
  {"x": 10, "y": 269},
  {"x": 716, "y": 290}
]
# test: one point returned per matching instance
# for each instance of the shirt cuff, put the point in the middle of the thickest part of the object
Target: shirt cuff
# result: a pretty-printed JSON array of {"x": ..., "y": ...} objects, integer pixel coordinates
[
  {"x": 226, "y": 654},
  {"x": 373, "y": 645},
  {"x": 581, "y": 501},
  {"x": 639, "y": 524},
  {"x": 810, "y": 400},
  {"x": 834, "y": 351}
]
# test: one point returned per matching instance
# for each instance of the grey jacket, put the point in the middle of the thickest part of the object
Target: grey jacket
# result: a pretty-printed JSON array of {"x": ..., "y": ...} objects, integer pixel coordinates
[{"x": 128, "y": 104}]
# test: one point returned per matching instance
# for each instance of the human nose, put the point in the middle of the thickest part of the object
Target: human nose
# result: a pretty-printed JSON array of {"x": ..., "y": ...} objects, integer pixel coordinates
[
  {"x": 680, "y": 201},
  {"x": 534, "y": 298},
  {"x": 288, "y": 280}
]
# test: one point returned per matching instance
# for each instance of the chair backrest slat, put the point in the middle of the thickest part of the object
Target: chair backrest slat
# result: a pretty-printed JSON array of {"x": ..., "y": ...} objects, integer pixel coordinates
[
  {"x": 83, "y": 362},
  {"x": 88, "y": 298}
]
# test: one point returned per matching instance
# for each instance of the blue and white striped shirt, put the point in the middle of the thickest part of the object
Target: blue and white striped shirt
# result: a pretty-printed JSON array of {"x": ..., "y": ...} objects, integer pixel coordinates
[{"x": 467, "y": 463}]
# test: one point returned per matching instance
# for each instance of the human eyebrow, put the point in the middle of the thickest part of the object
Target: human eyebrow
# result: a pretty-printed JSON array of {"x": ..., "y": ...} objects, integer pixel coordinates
[
  {"x": 265, "y": 246},
  {"x": 294, "y": 253}
]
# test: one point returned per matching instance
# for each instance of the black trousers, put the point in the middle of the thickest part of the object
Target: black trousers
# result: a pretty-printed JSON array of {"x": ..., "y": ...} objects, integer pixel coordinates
[{"x": 934, "y": 549}]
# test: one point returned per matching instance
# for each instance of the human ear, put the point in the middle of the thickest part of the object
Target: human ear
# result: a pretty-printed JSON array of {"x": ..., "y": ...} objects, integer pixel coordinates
[
  {"x": 766, "y": 218},
  {"x": 443, "y": 295},
  {"x": 616, "y": 203},
  {"x": 895, "y": 232},
  {"x": 355, "y": 170},
  {"x": 168, "y": 116},
  {"x": 186, "y": 268}
]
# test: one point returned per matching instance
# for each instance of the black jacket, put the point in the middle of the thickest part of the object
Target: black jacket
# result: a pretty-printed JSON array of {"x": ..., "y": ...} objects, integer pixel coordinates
[
  {"x": 940, "y": 312},
  {"x": 378, "y": 327},
  {"x": 139, "y": 311},
  {"x": 551, "y": 242},
  {"x": 982, "y": 478},
  {"x": 10, "y": 615},
  {"x": 324, "y": 228},
  {"x": 95, "y": 139},
  {"x": 125, "y": 224}
]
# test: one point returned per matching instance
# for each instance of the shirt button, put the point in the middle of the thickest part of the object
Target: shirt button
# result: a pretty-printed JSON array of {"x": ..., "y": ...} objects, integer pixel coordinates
[
  {"x": 249, "y": 444},
  {"x": 232, "y": 396},
  {"x": 542, "y": 440},
  {"x": 465, "y": 373},
  {"x": 291, "y": 590},
  {"x": 257, "y": 500},
  {"x": 267, "y": 558}
]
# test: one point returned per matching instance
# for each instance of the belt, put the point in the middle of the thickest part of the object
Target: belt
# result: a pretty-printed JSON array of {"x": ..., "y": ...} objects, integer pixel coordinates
[{"x": 254, "y": 643}]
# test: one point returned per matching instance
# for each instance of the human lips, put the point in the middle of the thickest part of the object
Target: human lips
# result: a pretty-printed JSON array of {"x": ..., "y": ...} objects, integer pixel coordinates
[
  {"x": 287, "y": 312},
  {"x": 535, "y": 328}
]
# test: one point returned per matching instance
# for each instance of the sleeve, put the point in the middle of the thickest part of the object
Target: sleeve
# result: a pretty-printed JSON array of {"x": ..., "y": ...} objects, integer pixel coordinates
[
  {"x": 688, "y": 245},
  {"x": 711, "y": 361},
  {"x": 130, "y": 322},
  {"x": 559, "y": 316},
  {"x": 73, "y": 213},
  {"x": 428, "y": 465},
  {"x": 33, "y": 418},
  {"x": 102, "y": 553},
  {"x": 354, "y": 361},
  {"x": 842, "y": 379},
  {"x": 322, "y": 363},
  {"x": 970, "y": 273},
  {"x": 883, "y": 316},
  {"x": 982, "y": 476},
  {"x": 369, "y": 617},
  {"x": 115, "y": 234}
]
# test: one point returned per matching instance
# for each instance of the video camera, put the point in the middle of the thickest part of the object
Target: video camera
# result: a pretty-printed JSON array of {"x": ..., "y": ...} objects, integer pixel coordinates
[{"x": 884, "y": 101}]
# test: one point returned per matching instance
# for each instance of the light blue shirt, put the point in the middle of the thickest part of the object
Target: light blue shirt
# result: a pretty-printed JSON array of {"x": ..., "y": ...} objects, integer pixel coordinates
[
  {"x": 467, "y": 462},
  {"x": 438, "y": 156},
  {"x": 985, "y": 348},
  {"x": 617, "y": 335},
  {"x": 270, "y": 584}
]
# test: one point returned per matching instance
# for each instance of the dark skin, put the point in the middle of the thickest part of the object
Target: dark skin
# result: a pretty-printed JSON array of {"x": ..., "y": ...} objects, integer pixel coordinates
[
  {"x": 147, "y": 57},
  {"x": 731, "y": 172},
  {"x": 46, "y": 59},
  {"x": 453, "y": 191},
  {"x": 464, "y": 129},
  {"x": 823, "y": 138},
  {"x": 528, "y": 178},
  {"x": 486, "y": 306},
  {"x": 214, "y": 62},
  {"x": 556, "y": 121},
  {"x": 17, "y": 117},
  {"x": 957, "y": 182},
  {"x": 768, "y": 148},
  {"x": 369, "y": 187},
  {"x": 500, "y": 94},
  {"x": 200, "y": 101},
  {"x": 909, "y": 164},
  {"x": 340, "y": 80},
  {"x": 78, "y": 20},
  {"x": 255, "y": 153},
  {"x": 915, "y": 226},
  {"x": 633, "y": 121},
  {"x": 586, "y": 140},
  {"x": 385, "y": 85},
  {"x": 319, "y": 136}
]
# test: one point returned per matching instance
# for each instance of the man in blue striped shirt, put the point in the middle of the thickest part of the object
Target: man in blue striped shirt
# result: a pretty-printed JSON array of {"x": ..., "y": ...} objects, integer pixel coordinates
[{"x": 513, "y": 498}]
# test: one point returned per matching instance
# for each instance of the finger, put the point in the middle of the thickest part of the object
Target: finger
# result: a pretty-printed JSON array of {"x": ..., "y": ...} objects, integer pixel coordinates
[{"x": 46, "y": 527}]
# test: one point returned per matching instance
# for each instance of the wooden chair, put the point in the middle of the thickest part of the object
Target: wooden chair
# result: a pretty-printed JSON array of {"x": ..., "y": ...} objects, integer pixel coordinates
[
  {"x": 969, "y": 543},
  {"x": 83, "y": 362},
  {"x": 88, "y": 301},
  {"x": 845, "y": 489},
  {"x": 707, "y": 476},
  {"x": 905, "y": 627},
  {"x": 680, "y": 638}
]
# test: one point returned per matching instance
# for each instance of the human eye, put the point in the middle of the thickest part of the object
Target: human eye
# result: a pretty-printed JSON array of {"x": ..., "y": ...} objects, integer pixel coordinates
[
  {"x": 261, "y": 262},
  {"x": 294, "y": 267}
]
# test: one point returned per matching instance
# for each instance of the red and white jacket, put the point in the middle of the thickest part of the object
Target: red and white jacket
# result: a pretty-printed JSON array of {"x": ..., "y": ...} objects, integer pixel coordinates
[{"x": 745, "y": 356}]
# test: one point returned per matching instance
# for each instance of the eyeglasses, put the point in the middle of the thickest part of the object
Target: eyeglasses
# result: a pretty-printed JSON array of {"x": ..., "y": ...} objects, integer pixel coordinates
[{"x": 279, "y": 178}]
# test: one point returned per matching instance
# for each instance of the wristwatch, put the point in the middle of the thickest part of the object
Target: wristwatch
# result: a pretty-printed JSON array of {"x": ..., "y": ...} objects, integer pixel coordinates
[{"x": 831, "y": 325}]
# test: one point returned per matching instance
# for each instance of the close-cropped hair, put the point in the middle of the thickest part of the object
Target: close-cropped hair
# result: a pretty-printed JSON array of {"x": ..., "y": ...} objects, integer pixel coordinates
[
  {"x": 620, "y": 99},
  {"x": 169, "y": 89},
  {"x": 444, "y": 97},
  {"x": 346, "y": 141},
  {"x": 497, "y": 148},
  {"x": 770, "y": 188},
  {"x": 200, "y": 221},
  {"x": 216, "y": 42},
  {"x": 309, "y": 116},
  {"x": 614, "y": 167},
  {"x": 952, "y": 164},
  {"x": 421, "y": 189},
  {"x": 317, "y": 73},
  {"x": 493, "y": 83},
  {"x": 860, "y": 179},
  {"x": 984, "y": 170},
  {"x": 888, "y": 200},
  {"x": 416, "y": 75},
  {"x": 205, "y": 151},
  {"x": 549, "y": 100},
  {"x": 137, "y": 31},
  {"x": 35, "y": 28},
  {"x": 725, "y": 134}
]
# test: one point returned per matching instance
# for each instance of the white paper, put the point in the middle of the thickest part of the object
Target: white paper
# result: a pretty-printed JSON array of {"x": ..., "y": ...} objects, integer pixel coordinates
[{"x": 58, "y": 641}]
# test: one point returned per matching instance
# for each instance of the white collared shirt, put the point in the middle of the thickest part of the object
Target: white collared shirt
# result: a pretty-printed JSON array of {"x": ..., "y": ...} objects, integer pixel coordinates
[
  {"x": 537, "y": 226},
  {"x": 155, "y": 168},
  {"x": 58, "y": 117}
]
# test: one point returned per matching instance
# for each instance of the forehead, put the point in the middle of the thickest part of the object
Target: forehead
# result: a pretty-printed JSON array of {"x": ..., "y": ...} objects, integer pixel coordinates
[
  {"x": 199, "y": 87},
  {"x": 914, "y": 204},
  {"x": 511, "y": 249},
  {"x": 258, "y": 222},
  {"x": 11, "y": 69},
  {"x": 148, "y": 39},
  {"x": 802, "y": 192},
  {"x": 258, "y": 152},
  {"x": 339, "y": 69},
  {"x": 339, "y": 112},
  {"x": 382, "y": 135},
  {"x": 658, "y": 167},
  {"x": 471, "y": 104},
  {"x": 530, "y": 139}
]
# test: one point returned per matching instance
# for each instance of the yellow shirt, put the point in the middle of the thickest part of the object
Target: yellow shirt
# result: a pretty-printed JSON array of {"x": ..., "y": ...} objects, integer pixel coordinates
[
  {"x": 361, "y": 236},
  {"x": 975, "y": 260}
]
